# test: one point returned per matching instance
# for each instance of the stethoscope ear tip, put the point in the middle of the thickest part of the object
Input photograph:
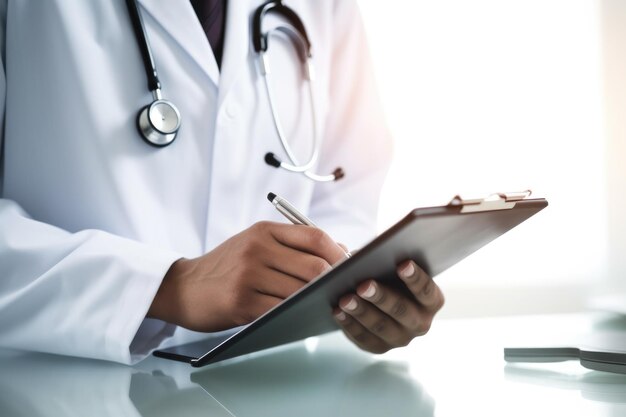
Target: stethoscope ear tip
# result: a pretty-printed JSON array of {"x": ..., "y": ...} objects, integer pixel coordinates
[
  {"x": 270, "y": 159},
  {"x": 338, "y": 173}
]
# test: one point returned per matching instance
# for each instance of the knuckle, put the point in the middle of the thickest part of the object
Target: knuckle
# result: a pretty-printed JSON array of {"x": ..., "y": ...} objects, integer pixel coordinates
[
  {"x": 248, "y": 316},
  {"x": 262, "y": 229},
  {"x": 441, "y": 301},
  {"x": 265, "y": 225},
  {"x": 317, "y": 237},
  {"x": 239, "y": 321},
  {"x": 361, "y": 337},
  {"x": 348, "y": 324},
  {"x": 292, "y": 287},
  {"x": 379, "y": 349},
  {"x": 318, "y": 267},
  {"x": 418, "y": 291},
  {"x": 241, "y": 314},
  {"x": 428, "y": 287},
  {"x": 424, "y": 327},
  {"x": 402, "y": 340},
  {"x": 379, "y": 326},
  {"x": 422, "y": 275},
  {"x": 399, "y": 308},
  {"x": 259, "y": 226},
  {"x": 415, "y": 324},
  {"x": 405, "y": 341}
]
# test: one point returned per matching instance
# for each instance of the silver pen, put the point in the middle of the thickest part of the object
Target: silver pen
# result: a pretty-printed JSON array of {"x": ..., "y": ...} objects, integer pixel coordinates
[{"x": 291, "y": 213}]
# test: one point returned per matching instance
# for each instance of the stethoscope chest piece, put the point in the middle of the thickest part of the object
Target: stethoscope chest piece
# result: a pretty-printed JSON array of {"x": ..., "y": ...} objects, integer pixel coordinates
[{"x": 159, "y": 122}]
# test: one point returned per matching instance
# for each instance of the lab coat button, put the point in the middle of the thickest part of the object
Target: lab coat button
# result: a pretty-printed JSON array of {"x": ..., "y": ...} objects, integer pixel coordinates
[{"x": 231, "y": 109}]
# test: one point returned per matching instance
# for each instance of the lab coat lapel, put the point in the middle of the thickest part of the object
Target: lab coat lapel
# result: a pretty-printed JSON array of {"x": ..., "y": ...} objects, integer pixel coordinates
[
  {"x": 236, "y": 43},
  {"x": 179, "y": 20}
]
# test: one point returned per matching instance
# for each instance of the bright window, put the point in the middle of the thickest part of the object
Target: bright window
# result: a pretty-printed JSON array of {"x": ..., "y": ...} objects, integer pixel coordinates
[{"x": 494, "y": 95}]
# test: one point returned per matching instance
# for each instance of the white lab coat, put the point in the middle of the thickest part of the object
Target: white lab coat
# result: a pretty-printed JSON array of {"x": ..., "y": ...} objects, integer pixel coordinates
[{"x": 91, "y": 217}]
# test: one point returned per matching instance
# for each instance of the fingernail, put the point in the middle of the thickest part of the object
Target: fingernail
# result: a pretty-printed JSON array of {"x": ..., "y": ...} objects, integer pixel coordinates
[
  {"x": 370, "y": 291},
  {"x": 408, "y": 270},
  {"x": 351, "y": 305},
  {"x": 341, "y": 316}
]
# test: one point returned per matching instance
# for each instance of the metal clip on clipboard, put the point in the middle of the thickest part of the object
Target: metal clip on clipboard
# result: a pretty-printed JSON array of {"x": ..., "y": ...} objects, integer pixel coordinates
[{"x": 497, "y": 201}]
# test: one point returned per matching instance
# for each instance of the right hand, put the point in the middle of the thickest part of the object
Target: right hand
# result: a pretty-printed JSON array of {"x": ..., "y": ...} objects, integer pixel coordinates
[{"x": 243, "y": 277}]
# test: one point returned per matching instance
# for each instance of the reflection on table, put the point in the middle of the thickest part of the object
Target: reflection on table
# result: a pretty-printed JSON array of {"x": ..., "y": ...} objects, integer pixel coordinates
[
  {"x": 456, "y": 370},
  {"x": 308, "y": 380},
  {"x": 330, "y": 378}
]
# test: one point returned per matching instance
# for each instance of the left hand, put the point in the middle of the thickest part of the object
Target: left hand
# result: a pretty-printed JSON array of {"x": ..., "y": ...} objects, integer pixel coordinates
[{"x": 379, "y": 318}]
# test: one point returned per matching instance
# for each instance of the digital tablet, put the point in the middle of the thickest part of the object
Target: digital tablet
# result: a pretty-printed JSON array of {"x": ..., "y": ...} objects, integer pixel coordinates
[{"x": 434, "y": 237}]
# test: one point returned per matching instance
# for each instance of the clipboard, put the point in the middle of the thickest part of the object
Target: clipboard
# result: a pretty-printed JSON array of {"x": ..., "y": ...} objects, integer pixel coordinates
[{"x": 435, "y": 237}]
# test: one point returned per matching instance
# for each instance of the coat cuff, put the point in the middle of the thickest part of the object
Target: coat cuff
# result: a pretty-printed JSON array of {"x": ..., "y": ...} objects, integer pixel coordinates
[{"x": 129, "y": 335}]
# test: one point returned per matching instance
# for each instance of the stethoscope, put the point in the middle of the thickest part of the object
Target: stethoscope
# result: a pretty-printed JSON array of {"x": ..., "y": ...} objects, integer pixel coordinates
[{"x": 159, "y": 122}]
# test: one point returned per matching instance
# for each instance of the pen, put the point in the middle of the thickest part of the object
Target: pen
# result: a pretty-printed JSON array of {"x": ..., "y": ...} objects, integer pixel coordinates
[{"x": 291, "y": 213}]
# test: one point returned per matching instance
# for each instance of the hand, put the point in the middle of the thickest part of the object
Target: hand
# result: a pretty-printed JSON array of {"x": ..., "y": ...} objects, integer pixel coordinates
[
  {"x": 379, "y": 318},
  {"x": 243, "y": 277}
]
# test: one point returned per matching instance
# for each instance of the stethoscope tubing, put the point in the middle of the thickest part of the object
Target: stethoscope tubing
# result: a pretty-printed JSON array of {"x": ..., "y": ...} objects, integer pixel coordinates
[
  {"x": 294, "y": 166},
  {"x": 159, "y": 128},
  {"x": 144, "y": 46}
]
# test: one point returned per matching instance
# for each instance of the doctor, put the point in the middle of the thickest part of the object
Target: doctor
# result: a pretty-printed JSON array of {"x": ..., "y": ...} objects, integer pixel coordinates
[{"x": 113, "y": 237}]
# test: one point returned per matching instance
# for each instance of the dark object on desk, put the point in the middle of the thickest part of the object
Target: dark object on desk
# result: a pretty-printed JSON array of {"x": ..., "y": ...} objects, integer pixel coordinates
[
  {"x": 600, "y": 350},
  {"x": 435, "y": 237},
  {"x": 608, "y": 361}
]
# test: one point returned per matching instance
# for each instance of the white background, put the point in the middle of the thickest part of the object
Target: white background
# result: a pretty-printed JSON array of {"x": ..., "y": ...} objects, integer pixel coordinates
[{"x": 504, "y": 95}]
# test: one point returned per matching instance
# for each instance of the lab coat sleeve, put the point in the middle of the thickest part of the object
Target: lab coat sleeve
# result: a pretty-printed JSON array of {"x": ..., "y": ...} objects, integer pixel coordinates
[
  {"x": 82, "y": 294},
  {"x": 355, "y": 137}
]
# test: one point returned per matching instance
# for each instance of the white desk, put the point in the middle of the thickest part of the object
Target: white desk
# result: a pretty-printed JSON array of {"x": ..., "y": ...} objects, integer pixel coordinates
[{"x": 456, "y": 370}]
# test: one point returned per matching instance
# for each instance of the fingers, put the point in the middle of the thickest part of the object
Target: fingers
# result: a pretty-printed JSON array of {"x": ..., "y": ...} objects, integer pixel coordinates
[
  {"x": 378, "y": 318},
  {"x": 375, "y": 321},
  {"x": 359, "y": 334},
  {"x": 422, "y": 286},
  {"x": 301, "y": 265},
  {"x": 344, "y": 247},
  {"x": 308, "y": 239},
  {"x": 260, "y": 305},
  {"x": 397, "y": 306},
  {"x": 278, "y": 284}
]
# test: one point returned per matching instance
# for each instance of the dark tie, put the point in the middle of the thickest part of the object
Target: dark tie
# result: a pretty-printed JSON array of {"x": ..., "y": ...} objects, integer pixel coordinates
[{"x": 211, "y": 14}]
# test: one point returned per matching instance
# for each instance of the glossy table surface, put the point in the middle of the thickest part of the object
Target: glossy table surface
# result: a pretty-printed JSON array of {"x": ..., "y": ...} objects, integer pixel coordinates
[{"x": 456, "y": 370}]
